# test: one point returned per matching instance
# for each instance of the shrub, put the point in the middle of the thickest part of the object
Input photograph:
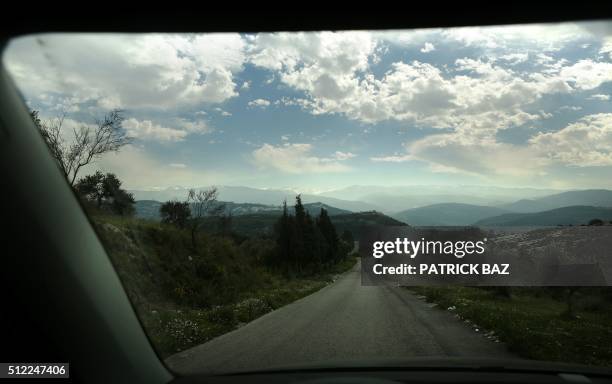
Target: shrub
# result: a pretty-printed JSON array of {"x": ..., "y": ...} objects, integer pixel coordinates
[{"x": 596, "y": 222}]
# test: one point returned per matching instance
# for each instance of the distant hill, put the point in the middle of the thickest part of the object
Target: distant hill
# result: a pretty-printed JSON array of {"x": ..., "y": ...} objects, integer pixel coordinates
[
  {"x": 315, "y": 208},
  {"x": 447, "y": 214},
  {"x": 574, "y": 215},
  {"x": 360, "y": 221},
  {"x": 398, "y": 198},
  {"x": 241, "y": 195},
  {"x": 590, "y": 197},
  {"x": 149, "y": 209}
]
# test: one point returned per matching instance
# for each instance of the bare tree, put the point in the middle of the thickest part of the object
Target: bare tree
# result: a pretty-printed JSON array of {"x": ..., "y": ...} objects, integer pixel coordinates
[
  {"x": 202, "y": 203},
  {"x": 87, "y": 144}
]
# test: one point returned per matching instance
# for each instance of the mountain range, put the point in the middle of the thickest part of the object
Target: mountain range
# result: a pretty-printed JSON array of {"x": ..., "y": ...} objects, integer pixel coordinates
[
  {"x": 573, "y": 215},
  {"x": 447, "y": 214},
  {"x": 592, "y": 197},
  {"x": 274, "y": 197},
  {"x": 393, "y": 199},
  {"x": 569, "y": 207},
  {"x": 149, "y": 209}
]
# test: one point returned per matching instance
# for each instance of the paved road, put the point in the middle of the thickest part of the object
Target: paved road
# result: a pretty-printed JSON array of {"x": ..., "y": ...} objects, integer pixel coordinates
[{"x": 343, "y": 321}]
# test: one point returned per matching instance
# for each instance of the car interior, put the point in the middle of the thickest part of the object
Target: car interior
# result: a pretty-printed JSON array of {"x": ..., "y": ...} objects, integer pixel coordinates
[{"x": 64, "y": 301}]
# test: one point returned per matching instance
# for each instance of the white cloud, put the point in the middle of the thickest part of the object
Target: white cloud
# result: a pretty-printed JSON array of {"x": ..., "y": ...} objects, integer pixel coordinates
[
  {"x": 324, "y": 65},
  {"x": 515, "y": 58},
  {"x": 492, "y": 39},
  {"x": 333, "y": 70},
  {"x": 261, "y": 103},
  {"x": 341, "y": 156},
  {"x": 570, "y": 108},
  {"x": 479, "y": 156},
  {"x": 336, "y": 52},
  {"x": 129, "y": 71},
  {"x": 470, "y": 99},
  {"x": 147, "y": 130},
  {"x": 298, "y": 158},
  {"x": 428, "y": 47},
  {"x": 600, "y": 97},
  {"x": 222, "y": 112},
  {"x": 587, "y": 142},
  {"x": 539, "y": 37},
  {"x": 397, "y": 158},
  {"x": 199, "y": 126},
  {"x": 606, "y": 46},
  {"x": 587, "y": 74},
  {"x": 177, "y": 165}
]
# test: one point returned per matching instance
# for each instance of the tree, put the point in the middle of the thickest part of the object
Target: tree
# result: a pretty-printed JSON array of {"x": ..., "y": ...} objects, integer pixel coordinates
[
  {"x": 203, "y": 203},
  {"x": 175, "y": 212},
  {"x": 35, "y": 118},
  {"x": 283, "y": 235},
  {"x": 347, "y": 237},
  {"x": 596, "y": 222},
  {"x": 122, "y": 203},
  {"x": 106, "y": 192},
  {"x": 306, "y": 245},
  {"x": 91, "y": 187},
  {"x": 288, "y": 244},
  {"x": 297, "y": 244},
  {"x": 87, "y": 143},
  {"x": 329, "y": 233},
  {"x": 225, "y": 224},
  {"x": 311, "y": 253}
]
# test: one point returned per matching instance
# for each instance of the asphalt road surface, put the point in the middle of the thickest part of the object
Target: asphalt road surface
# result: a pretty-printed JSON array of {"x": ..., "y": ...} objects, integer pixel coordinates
[{"x": 342, "y": 322}]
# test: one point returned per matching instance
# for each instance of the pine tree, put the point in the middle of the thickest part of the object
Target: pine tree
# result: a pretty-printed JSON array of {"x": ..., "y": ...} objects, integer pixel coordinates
[
  {"x": 311, "y": 247},
  {"x": 283, "y": 239},
  {"x": 329, "y": 233},
  {"x": 298, "y": 245}
]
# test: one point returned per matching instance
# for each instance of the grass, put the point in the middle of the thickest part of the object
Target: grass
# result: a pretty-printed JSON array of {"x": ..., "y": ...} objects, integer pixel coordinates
[
  {"x": 185, "y": 297},
  {"x": 532, "y": 322}
]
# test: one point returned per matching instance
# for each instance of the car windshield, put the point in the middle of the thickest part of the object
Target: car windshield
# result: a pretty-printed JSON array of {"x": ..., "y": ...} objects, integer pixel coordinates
[{"x": 354, "y": 197}]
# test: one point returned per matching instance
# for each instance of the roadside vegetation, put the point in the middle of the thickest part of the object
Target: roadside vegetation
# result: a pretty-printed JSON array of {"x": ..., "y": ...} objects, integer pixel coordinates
[
  {"x": 561, "y": 324},
  {"x": 191, "y": 276},
  {"x": 187, "y": 295}
]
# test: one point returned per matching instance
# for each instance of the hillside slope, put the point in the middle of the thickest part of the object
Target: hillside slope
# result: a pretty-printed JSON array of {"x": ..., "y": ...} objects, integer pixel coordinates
[
  {"x": 590, "y": 197},
  {"x": 574, "y": 215},
  {"x": 447, "y": 214}
]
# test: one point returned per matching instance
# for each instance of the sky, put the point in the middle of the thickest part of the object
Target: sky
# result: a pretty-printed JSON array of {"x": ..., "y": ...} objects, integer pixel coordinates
[{"x": 514, "y": 106}]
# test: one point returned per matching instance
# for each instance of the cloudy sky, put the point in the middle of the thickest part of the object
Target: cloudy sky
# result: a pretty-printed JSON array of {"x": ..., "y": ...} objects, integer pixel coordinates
[{"x": 504, "y": 106}]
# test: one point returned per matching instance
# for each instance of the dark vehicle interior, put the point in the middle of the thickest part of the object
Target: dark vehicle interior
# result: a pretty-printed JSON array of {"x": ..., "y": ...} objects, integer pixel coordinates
[{"x": 58, "y": 306}]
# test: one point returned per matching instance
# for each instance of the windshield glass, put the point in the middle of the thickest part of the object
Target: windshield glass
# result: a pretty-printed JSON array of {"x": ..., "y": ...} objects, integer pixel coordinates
[{"x": 262, "y": 196}]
